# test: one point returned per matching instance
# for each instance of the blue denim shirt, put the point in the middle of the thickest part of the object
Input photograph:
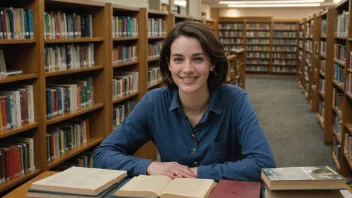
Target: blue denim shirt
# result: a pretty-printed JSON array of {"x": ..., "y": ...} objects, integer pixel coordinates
[{"x": 227, "y": 143}]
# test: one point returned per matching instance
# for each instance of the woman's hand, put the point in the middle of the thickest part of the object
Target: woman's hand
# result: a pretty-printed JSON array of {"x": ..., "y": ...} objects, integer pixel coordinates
[{"x": 170, "y": 169}]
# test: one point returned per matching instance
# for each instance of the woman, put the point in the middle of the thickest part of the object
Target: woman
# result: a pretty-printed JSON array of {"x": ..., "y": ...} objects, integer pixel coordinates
[{"x": 201, "y": 127}]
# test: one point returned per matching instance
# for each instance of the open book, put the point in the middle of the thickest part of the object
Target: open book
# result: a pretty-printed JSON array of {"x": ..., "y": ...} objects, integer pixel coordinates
[
  {"x": 164, "y": 187},
  {"x": 80, "y": 181}
]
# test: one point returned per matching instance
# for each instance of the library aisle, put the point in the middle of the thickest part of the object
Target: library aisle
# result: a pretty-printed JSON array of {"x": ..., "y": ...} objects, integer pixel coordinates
[{"x": 290, "y": 127}]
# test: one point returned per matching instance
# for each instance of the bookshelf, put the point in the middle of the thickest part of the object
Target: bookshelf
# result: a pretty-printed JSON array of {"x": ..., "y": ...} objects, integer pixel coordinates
[
  {"x": 285, "y": 46},
  {"x": 302, "y": 57},
  {"x": 231, "y": 32},
  {"x": 239, "y": 67}
]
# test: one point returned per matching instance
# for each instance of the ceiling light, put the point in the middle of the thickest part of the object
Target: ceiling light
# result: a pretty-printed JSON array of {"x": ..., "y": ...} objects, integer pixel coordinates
[
  {"x": 277, "y": 2},
  {"x": 274, "y": 5}
]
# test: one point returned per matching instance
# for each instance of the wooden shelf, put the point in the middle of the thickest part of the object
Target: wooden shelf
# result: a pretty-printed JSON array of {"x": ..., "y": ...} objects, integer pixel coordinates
[
  {"x": 348, "y": 160},
  {"x": 156, "y": 37},
  {"x": 155, "y": 85},
  {"x": 338, "y": 138},
  {"x": 74, "y": 113},
  {"x": 125, "y": 64},
  {"x": 322, "y": 74},
  {"x": 71, "y": 71},
  {"x": 334, "y": 158},
  {"x": 338, "y": 85},
  {"x": 18, "y": 180},
  {"x": 340, "y": 38},
  {"x": 349, "y": 128},
  {"x": 337, "y": 112},
  {"x": 16, "y": 130},
  {"x": 322, "y": 95},
  {"x": 153, "y": 59},
  {"x": 348, "y": 94},
  {"x": 349, "y": 70},
  {"x": 75, "y": 40},
  {"x": 340, "y": 62},
  {"x": 17, "y": 41},
  {"x": 126, "y": 38},
  {"x": 116, "y": 100},
  {"x": 321, "y": 122},
  {"x": 18, "y": 77},
  {"x": 72, "y": 152}
]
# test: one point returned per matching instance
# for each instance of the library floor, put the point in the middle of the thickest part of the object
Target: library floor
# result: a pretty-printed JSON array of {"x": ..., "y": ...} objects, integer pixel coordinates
[{"x": 291, "y": 128}]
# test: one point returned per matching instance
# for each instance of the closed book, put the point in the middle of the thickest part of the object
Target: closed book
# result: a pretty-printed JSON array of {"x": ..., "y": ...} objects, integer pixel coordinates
[
  {"x": 236, "y": 189},
  {"x": 302, "y": 178},
  {"x": 307, "y": 194},
  {"x": 80, "y": 181}
]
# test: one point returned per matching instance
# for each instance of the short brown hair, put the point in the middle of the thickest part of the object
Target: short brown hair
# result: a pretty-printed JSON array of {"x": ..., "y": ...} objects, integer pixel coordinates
[{"x": 211, "y": 46}]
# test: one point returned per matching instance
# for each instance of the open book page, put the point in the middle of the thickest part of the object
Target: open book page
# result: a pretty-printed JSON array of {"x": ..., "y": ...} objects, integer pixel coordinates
[
  {"x": 144, "y": 184},
  {"x": 187, "y": 187},
  {"x": 80, "y": 180}
]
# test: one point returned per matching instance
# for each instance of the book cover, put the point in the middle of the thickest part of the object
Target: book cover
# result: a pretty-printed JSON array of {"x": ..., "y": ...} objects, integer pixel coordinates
[{"x": 236, "y": 189}]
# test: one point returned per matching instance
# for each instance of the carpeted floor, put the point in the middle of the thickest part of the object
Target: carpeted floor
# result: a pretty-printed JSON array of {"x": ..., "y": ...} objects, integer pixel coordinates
[{"x": 291, "y": 128}]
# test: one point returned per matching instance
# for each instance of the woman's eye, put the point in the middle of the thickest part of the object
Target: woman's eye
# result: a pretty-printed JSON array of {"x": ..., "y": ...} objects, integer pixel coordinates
[
  {"x": 177, "y": 59},
  {"x": 198, "y": 59}
]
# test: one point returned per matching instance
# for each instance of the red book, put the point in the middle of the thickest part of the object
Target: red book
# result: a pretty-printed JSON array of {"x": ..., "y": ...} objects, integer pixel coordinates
[{"x": 236, "y": 189}]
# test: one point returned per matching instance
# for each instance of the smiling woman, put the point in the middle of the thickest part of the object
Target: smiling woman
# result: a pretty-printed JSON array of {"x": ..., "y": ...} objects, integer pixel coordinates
[{"x": 201, "y": 127}]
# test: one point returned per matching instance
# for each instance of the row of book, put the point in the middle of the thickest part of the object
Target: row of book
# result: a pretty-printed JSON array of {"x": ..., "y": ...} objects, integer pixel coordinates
[
  {"x": 348, "y": 145},
  {"x": 258, "y": 26},
  {"x": 154, "y": 75},
  {"x": 16, "y": 23},
  {"x": 233, "y": 46},
  {"x": 337, "y": 100},
  {"x": 68, "y": 56},
  {"x": 284, "y": 62},
  {"x": 66, "y": 136},
  {"x": 154, "y": 49},
  {"x": 231, "y": 40},
  {"x": 62, "y": 25},
  {"x": 285, "y": 48},
  {"x": 323, "y": 28},
  {"x": 339, "y": 74},
  {"x": 258, "y": 34},
  {"x": 124, "y": 26},
  {"x": 84, "y": 159},
  {"x": 230, "y": 33},
  {"x": 309, "y": 29},
  {"x": 336, "y": 147},
  {"x": 309, "y": 46},
  {"x": 121, "y": 54},
  {"x": 70, "y": 95},
  {"x": 284, "y": 69},
  {"x": 321, "y": 85},
  {"x": 337, "y": 124},
  {"x": 341, "y": 24},
  {"x": 284, "y": 42},
  {"x": 258, "y": 41},
  {"x": 120, "y": 112},
  {"x": 257, "y": 68},
  {"x": 349, "y": 66},
  {"x": 156, "y": 27},
  {"x": 257, "y": 48},
  {"x": 323, "y": 66},
  {"x": 124, "y": 83},
  {"x": 349, "y": 83},
  {"x": 284, "y": 55},
  {"x": 323, "y": 48},
  {"x": 283, "y": 26},
  {"x": 257, "y": 55},
  {"x": 257, "y": 62},
  {"x": 340, "y": 52},
  {"x": 16, "y": 158},
  {"x": 17, "y": 106},
  {"x": 285, "y": 34},
  {"x": 230, "y": 26},
  {"x": 321, "y": 109}
]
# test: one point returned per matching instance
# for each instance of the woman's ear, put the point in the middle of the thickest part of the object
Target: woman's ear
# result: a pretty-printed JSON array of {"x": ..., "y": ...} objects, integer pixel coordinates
[{"x": 212, "y": 68}]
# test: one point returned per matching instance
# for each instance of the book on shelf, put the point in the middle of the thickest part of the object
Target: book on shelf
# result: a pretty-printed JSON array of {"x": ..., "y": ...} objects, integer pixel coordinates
[
  {"x": 163, "y": 187},
  {"x": 302, "y": 178},
  {"x": 16, "y": 23},
  {"x": 236, "y": 189},
  {"x": 78, "y": 181}
]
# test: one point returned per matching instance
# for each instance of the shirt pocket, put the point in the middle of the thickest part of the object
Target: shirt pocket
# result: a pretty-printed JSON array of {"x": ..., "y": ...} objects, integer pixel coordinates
[{"x": 218, "y": 152}]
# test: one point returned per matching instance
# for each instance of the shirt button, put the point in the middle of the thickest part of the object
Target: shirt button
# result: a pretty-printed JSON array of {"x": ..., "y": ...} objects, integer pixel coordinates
[
  {"x": 194, "y": 149},
  {"x": 193, "y": 135},
  {"x": 195, "y": 162}
]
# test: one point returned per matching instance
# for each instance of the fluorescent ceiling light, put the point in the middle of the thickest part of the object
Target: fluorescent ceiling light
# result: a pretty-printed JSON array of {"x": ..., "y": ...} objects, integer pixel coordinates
[
  {"x": 276, "y": 2},
  {"x": 182, "y": 3},
  {"x": 274, "y": 5}
]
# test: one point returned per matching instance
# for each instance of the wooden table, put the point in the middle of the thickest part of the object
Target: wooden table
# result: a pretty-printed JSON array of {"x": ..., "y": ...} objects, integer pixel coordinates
[{"x": 22, "y": 190}]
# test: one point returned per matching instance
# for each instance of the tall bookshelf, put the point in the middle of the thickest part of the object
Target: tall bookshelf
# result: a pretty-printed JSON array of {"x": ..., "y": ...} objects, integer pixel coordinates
[
  {"x": 309, "y": 58},
  {"x": 302, "y": 54},
  {"x": 258, "y": 34},
  {"x": 285, "y": 45},
  {"x": 231, "y": 33},
  {"x": 321, "y": 63}
]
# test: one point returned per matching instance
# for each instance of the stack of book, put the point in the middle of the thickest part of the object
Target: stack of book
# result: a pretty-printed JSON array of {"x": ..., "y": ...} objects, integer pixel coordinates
[{"x": 303, "y": 182}]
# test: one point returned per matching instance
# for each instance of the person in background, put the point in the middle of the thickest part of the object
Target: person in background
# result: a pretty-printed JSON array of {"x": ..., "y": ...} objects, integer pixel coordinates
[{"x": 201, "y": 127}]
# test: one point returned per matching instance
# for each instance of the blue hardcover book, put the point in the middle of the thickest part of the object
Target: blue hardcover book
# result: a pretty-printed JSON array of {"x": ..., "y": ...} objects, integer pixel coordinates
[{"x": 30, "y": 24}]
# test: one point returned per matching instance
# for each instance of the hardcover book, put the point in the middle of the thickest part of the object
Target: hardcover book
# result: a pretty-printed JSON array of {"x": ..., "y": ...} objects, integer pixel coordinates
[
  {"x": 302, "y": 178},
  {"x": 236, "y": 189}
]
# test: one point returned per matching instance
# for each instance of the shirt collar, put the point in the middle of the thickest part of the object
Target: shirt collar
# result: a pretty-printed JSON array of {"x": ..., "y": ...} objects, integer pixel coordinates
[{"x": 214, "y": 101}]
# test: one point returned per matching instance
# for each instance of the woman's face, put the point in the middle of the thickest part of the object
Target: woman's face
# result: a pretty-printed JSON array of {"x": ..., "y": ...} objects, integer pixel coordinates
[{"x": 189, "y": 65}]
